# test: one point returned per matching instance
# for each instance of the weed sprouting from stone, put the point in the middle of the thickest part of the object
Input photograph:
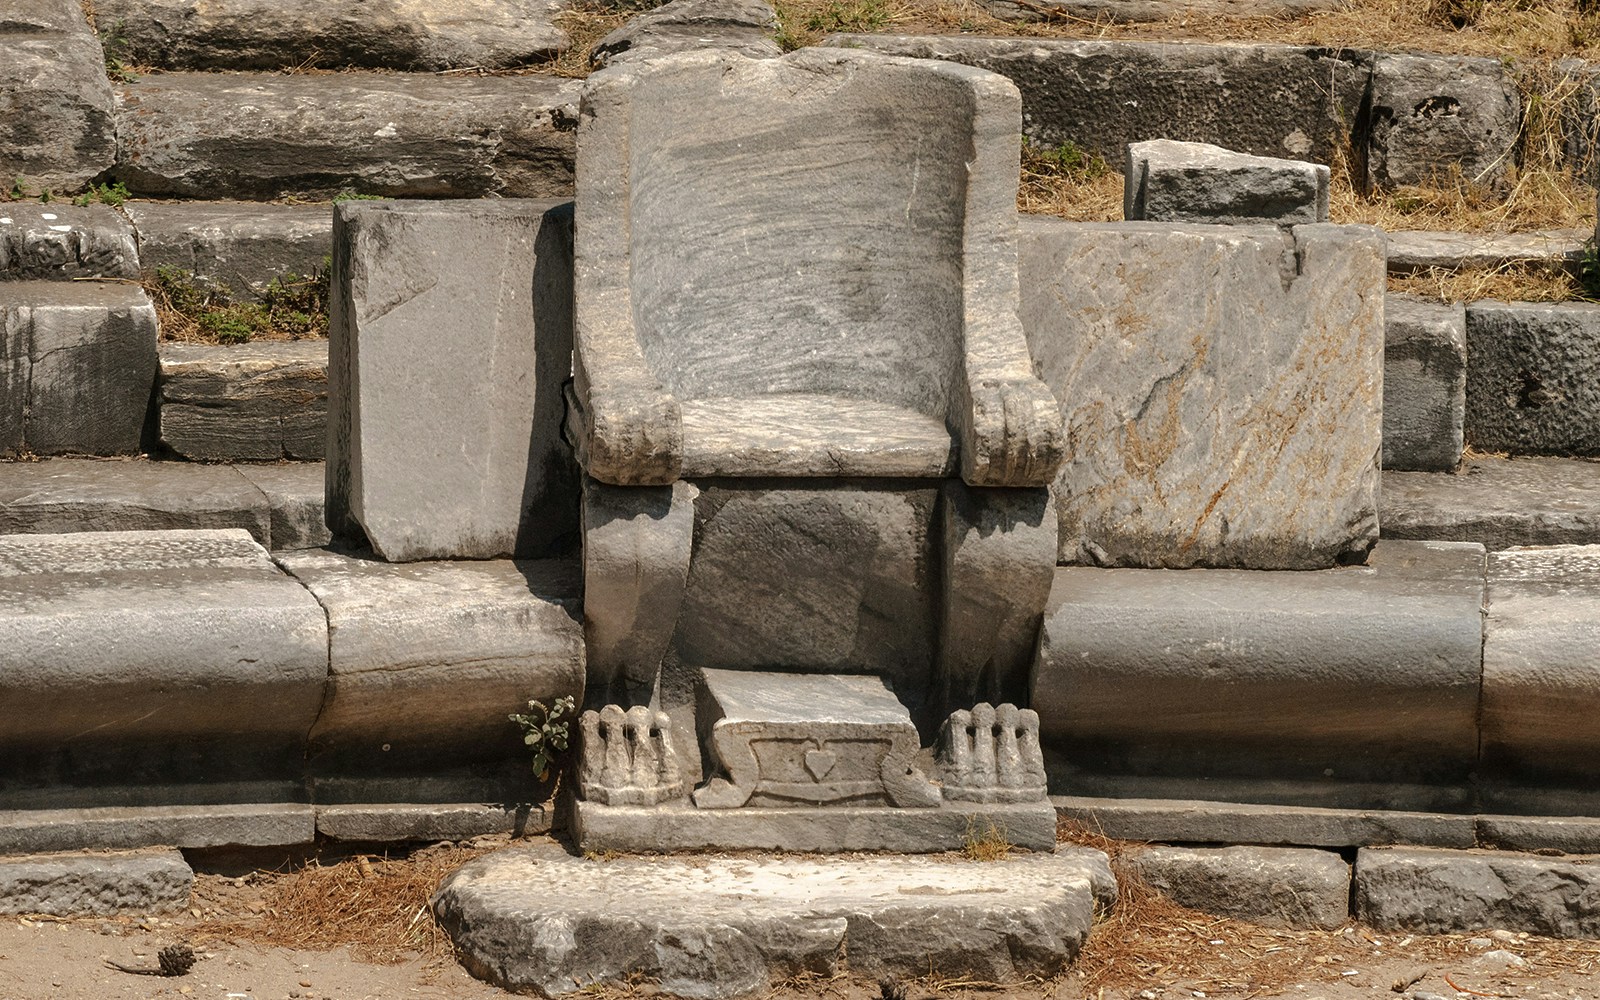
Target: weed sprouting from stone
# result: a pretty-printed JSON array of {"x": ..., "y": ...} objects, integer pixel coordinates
[
  {"x": 103, "y": 194},
  {"x": 545, "y": 731},
  {"x": 985, "y": 842},
  {"x": 289, "y": 307}
]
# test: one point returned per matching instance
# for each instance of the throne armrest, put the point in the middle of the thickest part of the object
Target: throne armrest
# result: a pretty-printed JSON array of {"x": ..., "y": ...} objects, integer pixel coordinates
[
  {"x": 1010, "y": 426},
  {"x": 626, "y": 427}
]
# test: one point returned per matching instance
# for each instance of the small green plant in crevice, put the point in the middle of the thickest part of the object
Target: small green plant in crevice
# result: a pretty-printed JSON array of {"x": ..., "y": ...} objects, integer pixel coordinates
[
  {"x": 850, "y": 15},
  {"x": 545, "y": 730},
  {"x": 350, "y": 194},
  {"x": 103, "y": 194},
  {"x": 1067, "y": 160},
  {"x": 118, "y": 66},
  {"x": 1589, "y": 273},
  {"x": 291, "y": 306}
]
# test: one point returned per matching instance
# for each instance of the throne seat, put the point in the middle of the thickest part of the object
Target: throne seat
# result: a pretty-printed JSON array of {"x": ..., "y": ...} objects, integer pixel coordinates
[{"x": 813, "y": 435}]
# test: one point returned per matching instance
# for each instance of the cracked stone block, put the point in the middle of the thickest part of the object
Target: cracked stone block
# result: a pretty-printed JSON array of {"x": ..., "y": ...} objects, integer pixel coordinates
[
  {"x": 135, "y": 661},
  {"x": 531, "y": 919},
  {"x": 334, "y": 34},
  {"x": 450, "y": 339},
  {"x": 1533, "y": 377},
  {"x": 99, "y": 885},
  {"x": 1273, "y": 886},
  {"x": 258, "y": 402},
  {"x": 79, "y": 359},
  {"x": 1354, "y": 687},
  {"x": 1541, "y": 647},
  {"x": 428, "y": 660},
  {"x": 1266, "y": 100},
  {"x": 1221, "y": 389},
  {"x": 200, "y": 135},
  {"x": 1431, "y": 113},
  {"x": 798, "y": 740},
  {"x": 295, "y": 503},
  {"x": 79, "y": 494},
  {"x": 57, "y": 131},
  {"x": 1169, "y": 181},
  {"x": 65, "y": 241},
  {"x": 1424, "y": 384},
  {"x": 236, "y": 246},
  {"x": 746, "y": 26},
  {"x": 1453, "y": 892}
]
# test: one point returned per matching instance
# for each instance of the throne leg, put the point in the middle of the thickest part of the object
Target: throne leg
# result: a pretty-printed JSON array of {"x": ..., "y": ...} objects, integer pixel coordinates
[
  {"x": 999, "y": 556},
  {"x": 636, "y": 547}
]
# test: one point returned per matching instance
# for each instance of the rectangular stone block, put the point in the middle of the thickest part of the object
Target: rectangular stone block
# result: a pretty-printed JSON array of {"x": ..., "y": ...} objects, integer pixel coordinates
[
  {"x": 1533, "y": 377},
  {"x": 427, "y": 660},
  {"x": 1457, "y": 892},
  {"x": 134, "y": 660},
  {"x": 293, "y": 492},
  {"x": 1354, "y": 687},
  {"x": 1187, "y": 821},
  {"x": 79, "y": 885},
  {"x": 69, "y": 495},
  {"x": 429, "y": 822},
  {"x": 1268, "y": 100},
  {"x": 236, "y": 246},
  {"x": 187, "y": 826},
  {"x": 1413, "y": 250},
  {"x": 1221, "y": 389},
  {"x": 200, "y": 135},
  {"x": 57, "y": 131},
  {"x": 1497, "y": 502},
  {"x": 1430, "y": 113},
  {"x": 451, "y": 338},
  {"x": 1167, "y": 181},
  {"x": 62, "y": 241},
  {"x": 1272, "y": 886},
  {"x": 1424, "y": 384},
  {"x": 1541, "y": 666},
  {"x": 252, "y": 402},
  {"x": 89, "y": 354}
]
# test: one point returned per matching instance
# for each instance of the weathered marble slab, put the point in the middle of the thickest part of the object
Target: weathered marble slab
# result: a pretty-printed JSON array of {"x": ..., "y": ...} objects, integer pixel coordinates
[
  {"x": 1168, "y": 181},
  {"x": 249, "y": 402},
  {"x": 63, "y": 241},
  {"x": 1533, "y": 377},
  {"x": 57, "y": 132},
  {"x": 1221, "y": 389},
  {"x": 1424, "y": 384}
]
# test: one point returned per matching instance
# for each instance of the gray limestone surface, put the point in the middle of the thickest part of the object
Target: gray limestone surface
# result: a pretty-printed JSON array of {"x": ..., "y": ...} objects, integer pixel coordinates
[
  {"x": 1452, "y": 892},
  {"x": 679, "y": 826},
  {"x": 746, "y": 26},
  {"x": 69, "y": 494},
  {"x": 133, "y": 659},
  {"x": 538, "y": 920},
  {"x": 450, "y": 339},
  {"x": 1202, "y": 822},
  {"x": 236, "y": 246},
  {"x": 248, "y": 402},
  {"x": 1168, "y": 181},
  {"x": 203, "y": 135},
  {"x": 394, "y": 822},
  {"x": 1145, "y": 675},
  {"x": 62, "y": 241},
  {"x": 1269, "y": 100},
  {"x": 77, "y": 362},
  {"x": 1533, "y": 377},
  {"x": 97, "y": 884},
  {"x": 1424, "y": 385},
  {"x": 1273, "y": 886},
  {"x": 1417, "y": 250},
  {"x": 1541, "y": 651},
  {"x": 1497, "y": 502},
  {"x": 687, "y": 367},
  {"x": 57, "y": 132},
  {"x": 294, "y": 501},
  {"x": 427, "y": 660},
  {"x": 1431, "y": 114},
  {"x": 120, "y": 827},
  {"x": 1221, "y": 388},
  {"x": 334, "y": 34}
]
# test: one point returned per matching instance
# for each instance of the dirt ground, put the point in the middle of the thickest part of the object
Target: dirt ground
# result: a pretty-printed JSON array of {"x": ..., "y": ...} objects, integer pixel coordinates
[{"x": 356, "y": 928}]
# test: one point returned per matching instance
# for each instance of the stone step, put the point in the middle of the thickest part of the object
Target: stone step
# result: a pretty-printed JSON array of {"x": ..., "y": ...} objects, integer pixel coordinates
[
  {"x": 1452, "y": 892},
  {"x": 536, "y": 919},
  {"x": 258, "y": 402},
  {"x": 1496, "y": 502},
  {"x": 1413, "y": 250},
  {"x": 58, "y": 131},
  {"x": 258, "y": 136},
  {"x": 279, "y": 505},
  {"x": 239, "y": 247},
  {"x": 333, "y": 34},
  {"x": 1265, "y": 99},
  {"x": 64, "y": 241},
  {"x": 99, "y": 884}
]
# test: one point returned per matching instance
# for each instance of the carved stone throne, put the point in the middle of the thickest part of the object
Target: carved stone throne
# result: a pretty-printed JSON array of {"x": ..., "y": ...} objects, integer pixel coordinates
[{"x": 812, "y": 436}]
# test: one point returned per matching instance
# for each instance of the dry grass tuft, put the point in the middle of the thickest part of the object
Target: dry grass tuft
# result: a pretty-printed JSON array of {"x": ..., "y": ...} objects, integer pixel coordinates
[
  {"x": 586, "y": 23},
  {"x": 1513, "y": 282},
  {"x": 376, "y": 907},
  {"x": 988, "y": 843}
]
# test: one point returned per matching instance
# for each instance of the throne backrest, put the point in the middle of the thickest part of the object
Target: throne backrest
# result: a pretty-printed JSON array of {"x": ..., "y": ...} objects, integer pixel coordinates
[{"x": 794, "y": 225}]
